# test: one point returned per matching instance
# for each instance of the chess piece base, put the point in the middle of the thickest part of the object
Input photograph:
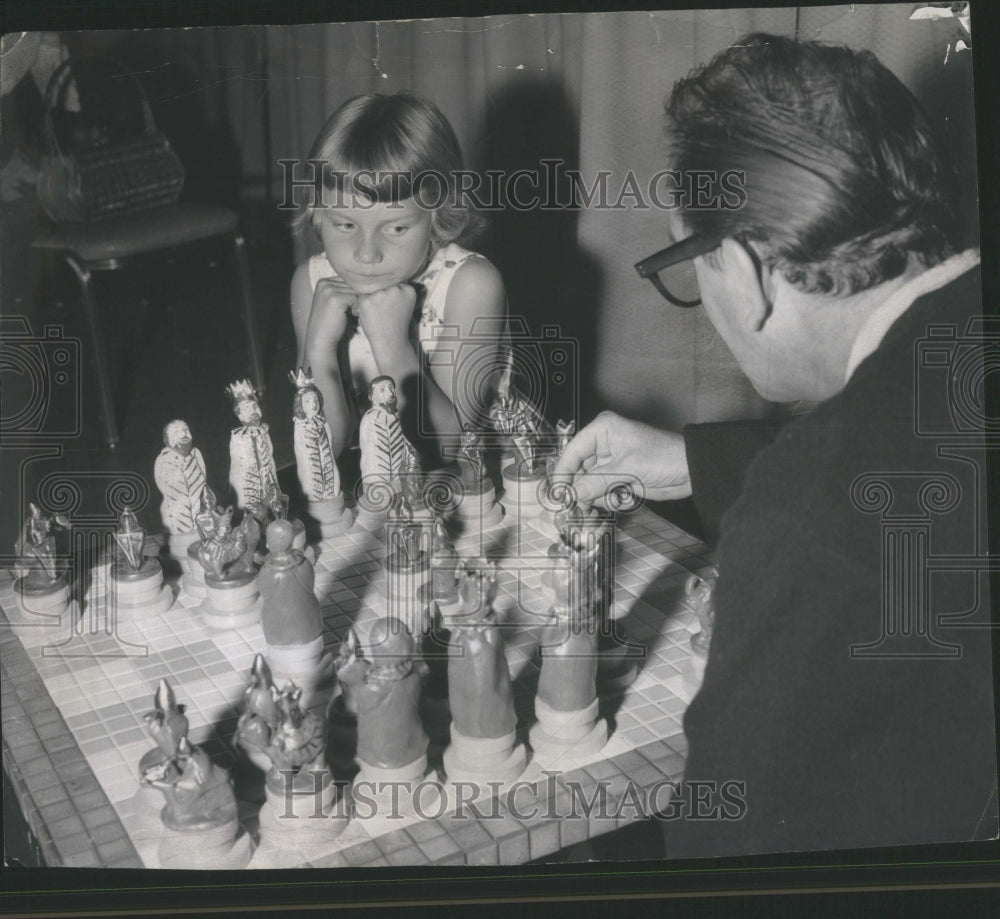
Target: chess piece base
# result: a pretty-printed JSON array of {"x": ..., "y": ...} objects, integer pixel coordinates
[
  {"x": 484, "y": 759},
  {"x": 523, "y": 493},
  {"x": 308, "y": 666},
  {"x": 562, "y": 740},
  {"x": 178, "y": 545},
  {"x": 52, "y": 600},
  {"x": 332, "y": 517},
  {"x": 231, "y": 607},
  {"x": 384, "y": 796},
  {"x": 301, "y": 821},
  {"x": 223, "y": 847}
]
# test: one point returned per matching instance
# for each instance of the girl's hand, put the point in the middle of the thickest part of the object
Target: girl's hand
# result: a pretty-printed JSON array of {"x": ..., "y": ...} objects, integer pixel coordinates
[
  {"x": 332, "y": 302},
  {"x": 385, "y": 316}
]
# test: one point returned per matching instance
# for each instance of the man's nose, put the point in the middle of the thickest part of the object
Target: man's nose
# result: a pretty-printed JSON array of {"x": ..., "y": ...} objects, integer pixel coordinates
[{"x": 368, "y": 252}]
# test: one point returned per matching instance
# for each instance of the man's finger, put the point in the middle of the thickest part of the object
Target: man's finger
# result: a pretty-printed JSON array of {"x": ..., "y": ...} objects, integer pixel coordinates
[{"x": 580, "y": 450}]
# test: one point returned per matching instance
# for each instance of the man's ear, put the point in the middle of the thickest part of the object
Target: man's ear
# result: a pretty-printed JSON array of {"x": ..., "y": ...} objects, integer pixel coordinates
[{"x": 744, "y": 285}]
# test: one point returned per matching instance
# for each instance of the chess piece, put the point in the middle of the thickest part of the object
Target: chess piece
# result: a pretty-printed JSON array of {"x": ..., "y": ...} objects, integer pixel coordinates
[
  {"x": 274, "y": 506},
  {"x": 179, "y": 473},
  {"x": 252, "y": 472},
  {"x": 524, "y": 479},
  {"x": 407, "y": 568},
  {"x": 444, "y": 573},
  {"x": 167, "y": 724},
  {"x": 484, "y": 745},
  {"x": 569, "y": 731},
  {"x": 314, "y": 459},
  {"x": 193, "y": 573},
  {"x": 135, "y": 581},
  {"x": 478, "y": 511},
  {"x": 392, "y": 744},
  {"x": 384, "y": 454},
  {"x": 300, "y": 793},
  {"x": 226, "y": 554},
  {"x": 699, "y": 596},
  {"x": 44, "y": 587},
  {"x": 200, "y": 825},
  {"x": 290, "y": 615}
]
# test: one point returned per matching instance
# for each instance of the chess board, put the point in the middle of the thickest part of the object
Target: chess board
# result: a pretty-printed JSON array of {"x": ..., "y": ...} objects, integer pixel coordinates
[{"x": 75, "y": 692}]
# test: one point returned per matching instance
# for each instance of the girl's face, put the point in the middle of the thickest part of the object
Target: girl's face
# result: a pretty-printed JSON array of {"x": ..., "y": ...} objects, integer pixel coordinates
[{"x": 374, "y": 246}]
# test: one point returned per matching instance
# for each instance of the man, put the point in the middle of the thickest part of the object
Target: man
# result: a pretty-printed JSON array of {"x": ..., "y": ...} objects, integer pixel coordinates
[
  {"x": 179, "y": 472},
  {"x": 384, "y": 446},
  {"x": 252, "y": 472},
  {"x": 849, "y": 714}
]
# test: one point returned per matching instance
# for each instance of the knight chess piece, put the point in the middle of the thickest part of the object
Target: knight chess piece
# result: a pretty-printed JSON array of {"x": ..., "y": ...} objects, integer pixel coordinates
[
  {"x": 291, "y": 617},
  {"x": 135, "y": 581},
  {"x": 227, "y": 555},
  {"x": 314, "y": 460},
  {"x": 289, "y": 742},
  {"x": 392, "y": 744},
  {"x": 193, "y": 573},
  {"x": 44, "y": 587},
  {"x": 179, "y": 473},
  {"x": 167, "y": 724},
  {"x": 478, "y": 511}
]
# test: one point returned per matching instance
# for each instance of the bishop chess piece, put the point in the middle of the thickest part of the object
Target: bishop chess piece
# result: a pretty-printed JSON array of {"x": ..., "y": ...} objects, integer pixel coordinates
[
  {"x": 699, "y": 597},
  {"x": 478, "y": 511},
  {"x": 135, "y": 581},
  {"x": 44, "y": 587},
  {"x": 200, "y": 826},
  {"x": 291, "y": 617},
  {"x": 385, "y": 455},
  {"x": 298, "y": 815},
  {"x": 392, "y": 744},
  {"x": 484, "y": 745},
  {"x": 179, "y": 473},
  {"x": 407, "y": 568},
  {"x": 314, "y": 460},
  {"x": 227, "y": 557},
  {"x": 569, "y": 731}
]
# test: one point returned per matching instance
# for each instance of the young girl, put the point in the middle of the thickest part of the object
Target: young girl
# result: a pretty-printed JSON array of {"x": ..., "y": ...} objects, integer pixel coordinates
[{"x": 392, "y": 293}]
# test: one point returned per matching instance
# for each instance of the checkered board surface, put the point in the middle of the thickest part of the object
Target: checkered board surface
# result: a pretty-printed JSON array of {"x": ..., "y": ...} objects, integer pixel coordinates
[{"x": 75, "y": 693}]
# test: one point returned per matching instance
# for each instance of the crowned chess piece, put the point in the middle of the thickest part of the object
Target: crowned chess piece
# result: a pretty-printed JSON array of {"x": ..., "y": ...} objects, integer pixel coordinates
[
  {"x": 314, "y": 459},
  {"x": 252, "y": 472},
  {"x": 289, "y": 743},
  {"x": 478, "y": 511},
  {"x": 44, "y": 588},
  {"x": 291, "y": 617},
  {"x": 179, "y": 472},
  {"x": 200, "y": 826},
  {"x": 384, "y": 455},
  {"x": 227, "y": 557},
  {"x": 135, "y": 581},
  {"x": 407, "y": 568},
  {"x": 392, "y": 745},
  {"x": 699, "y": 597},
  {"x": 569, "y": 730},
  {"x": 519, "y": 421},
  {"x": 484, "y": 745}
]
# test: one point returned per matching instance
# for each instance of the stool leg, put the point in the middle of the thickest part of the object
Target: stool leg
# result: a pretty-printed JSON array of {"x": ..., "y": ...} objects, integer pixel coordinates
[
  {"x": 246, "y": 305},
  {"x": 82, "y": 273}
]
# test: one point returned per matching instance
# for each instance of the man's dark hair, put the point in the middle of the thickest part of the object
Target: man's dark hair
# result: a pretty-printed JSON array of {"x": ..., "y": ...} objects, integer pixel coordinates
[
  {"x": 843, "y": 175},
  {"x": 377, "y": 380}
]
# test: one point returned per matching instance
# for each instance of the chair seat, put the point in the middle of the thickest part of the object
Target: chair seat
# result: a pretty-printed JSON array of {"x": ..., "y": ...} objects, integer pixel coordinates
[{"x": 136, "y": 234}]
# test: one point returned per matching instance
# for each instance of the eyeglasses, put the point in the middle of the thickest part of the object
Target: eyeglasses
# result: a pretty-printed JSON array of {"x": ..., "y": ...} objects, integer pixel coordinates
[{"x": 668, "y": 268}]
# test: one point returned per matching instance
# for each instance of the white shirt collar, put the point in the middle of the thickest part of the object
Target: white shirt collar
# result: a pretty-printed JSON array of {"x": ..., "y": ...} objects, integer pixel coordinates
[{"x": 881, "y": 320}]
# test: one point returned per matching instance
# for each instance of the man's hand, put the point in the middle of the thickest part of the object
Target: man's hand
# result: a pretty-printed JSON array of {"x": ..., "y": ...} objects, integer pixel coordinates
[
  {"x": 385, "y": 316},
  {"x": 612, "y": 450}
]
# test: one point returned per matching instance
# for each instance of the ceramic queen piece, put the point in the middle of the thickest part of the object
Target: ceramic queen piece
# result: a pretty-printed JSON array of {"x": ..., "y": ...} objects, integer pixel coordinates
[
  {"x": 179, "y": 472},
  {"x": 252, "y": 472},
  {"x": 314, "y": 459}
]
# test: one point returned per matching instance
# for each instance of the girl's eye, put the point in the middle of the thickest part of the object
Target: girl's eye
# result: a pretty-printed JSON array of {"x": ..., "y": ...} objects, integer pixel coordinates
[
  {"x": 398, "y": 230},
  {"x": 344, "y": 225}
]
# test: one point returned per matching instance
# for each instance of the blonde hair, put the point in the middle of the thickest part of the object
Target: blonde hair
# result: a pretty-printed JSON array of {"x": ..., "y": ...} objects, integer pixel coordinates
[{"x": 397, "y": 141}]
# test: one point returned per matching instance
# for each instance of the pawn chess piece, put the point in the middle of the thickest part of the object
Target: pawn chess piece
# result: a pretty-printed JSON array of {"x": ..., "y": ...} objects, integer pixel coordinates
[
  {"x": 135, "y": 581},
  {"x": 392, "y": 744},
  {"x": 569, "y": 731},
  {"x": 478, "y": 511},
  {"x": 226, "y": 554},
  {"x": 167, "y": 724},
  {"x": 298, "y": 816},
  {"x": 291, "y": 617},
  {"x": 179, "y": 473},
  {"x": 484, "y": 745},
  {"x": 407, "y": 568},
  {"x": 44, "y": 588},
  {"x": 384, "y": 455},
  {"x": 444, "y": 573},
  {"x": 698, "y": 594},
  {"x": 314, "y": 459},
  {"x": 200, "y": 826}
]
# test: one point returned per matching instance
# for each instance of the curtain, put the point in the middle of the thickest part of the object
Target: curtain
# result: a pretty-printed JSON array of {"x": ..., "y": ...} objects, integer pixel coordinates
[{"x": 588, "y": 89}]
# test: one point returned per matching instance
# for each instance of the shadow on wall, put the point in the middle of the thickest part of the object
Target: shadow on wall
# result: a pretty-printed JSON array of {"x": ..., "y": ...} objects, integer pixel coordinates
[{"x": 550, "y": 282}]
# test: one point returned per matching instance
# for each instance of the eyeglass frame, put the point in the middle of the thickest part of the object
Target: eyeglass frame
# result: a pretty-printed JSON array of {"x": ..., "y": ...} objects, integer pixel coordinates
[{"x": 683, "y": 251}]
